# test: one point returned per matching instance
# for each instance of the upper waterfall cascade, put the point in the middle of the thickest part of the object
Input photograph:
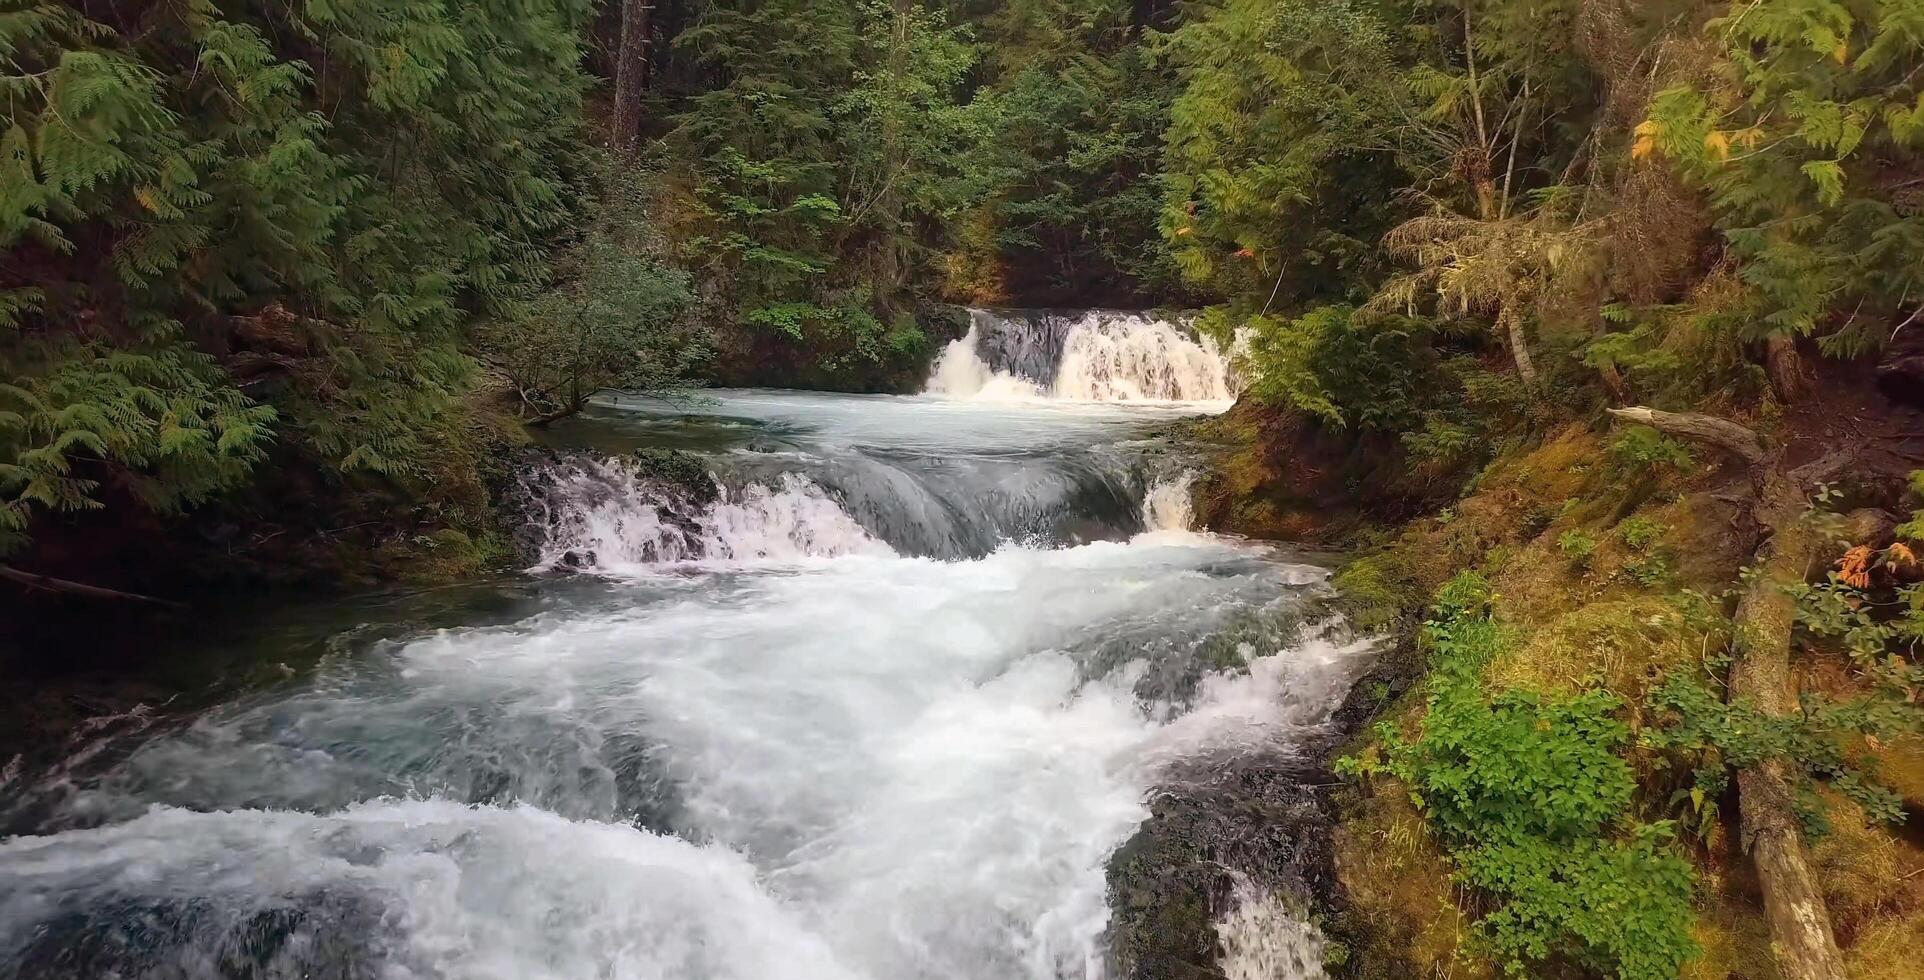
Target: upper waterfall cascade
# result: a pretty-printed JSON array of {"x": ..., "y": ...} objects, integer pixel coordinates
[{"x": 1092, "y": 355}]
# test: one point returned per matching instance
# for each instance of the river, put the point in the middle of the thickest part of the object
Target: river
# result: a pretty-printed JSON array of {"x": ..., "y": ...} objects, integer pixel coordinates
[{"x": 877, "y": 696}]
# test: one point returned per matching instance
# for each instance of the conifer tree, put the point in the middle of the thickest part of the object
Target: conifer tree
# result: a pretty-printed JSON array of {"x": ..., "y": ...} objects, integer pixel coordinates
[
  {"x": 1808, "y": 141},
  {"x": 232, "y": 224}
]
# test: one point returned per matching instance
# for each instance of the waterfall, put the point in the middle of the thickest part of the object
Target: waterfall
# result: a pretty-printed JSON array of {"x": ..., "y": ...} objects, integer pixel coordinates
[
  {"x": 1093, "y": 355},
  {"x": 1169, "y": 504},
  {"x": 1268, "y": 938},
  {"x": 605, "y": 514},
  {"x": 855, "y": 688},
  {"x": 960, "y": 372}
]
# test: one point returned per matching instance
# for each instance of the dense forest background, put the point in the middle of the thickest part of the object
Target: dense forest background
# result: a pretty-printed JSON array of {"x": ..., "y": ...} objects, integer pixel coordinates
[{"x": 289, "y": 267}]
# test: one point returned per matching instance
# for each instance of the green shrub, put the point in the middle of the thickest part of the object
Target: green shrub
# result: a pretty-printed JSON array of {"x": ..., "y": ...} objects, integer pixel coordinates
[
  {"x": 1649, "y": 571},
  {"x": 1328, "y": 364},
  {"x": 1578, "y": 547},
  {"x": 1643, "y": 451},
  {"x": 1531, "y": 796},
  {"x": 1464, "y": 596},
  {"x": 1621, "y": 908},
  {"x": 1641, "y": 532}
]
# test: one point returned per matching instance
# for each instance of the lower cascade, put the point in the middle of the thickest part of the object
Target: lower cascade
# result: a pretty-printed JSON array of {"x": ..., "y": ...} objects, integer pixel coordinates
[{"x": 796, "y": 686}]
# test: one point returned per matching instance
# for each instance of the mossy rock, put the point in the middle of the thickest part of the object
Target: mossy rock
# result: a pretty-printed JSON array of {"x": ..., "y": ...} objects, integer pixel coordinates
[
  {"x": 442, "y": 556},
  {"x": 678, "y": 467},
  {"x": 1259, "y": 820},
  {"x": 1376, "y": 591},
  {"x": 1623, "y": 645}
]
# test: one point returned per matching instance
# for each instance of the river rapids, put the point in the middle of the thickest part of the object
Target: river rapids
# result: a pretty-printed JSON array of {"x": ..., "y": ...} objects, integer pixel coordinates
[{"x": 876, "y": 694}]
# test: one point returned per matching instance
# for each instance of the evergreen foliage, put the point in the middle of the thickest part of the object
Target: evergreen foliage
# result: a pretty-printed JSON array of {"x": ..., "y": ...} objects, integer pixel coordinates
[
  {"x": 833, "y": 139},
  {"x": 232, "y": 223},
  {"x": 1069, "y": 122},
  {"x": 615, "y": 319},
  {"x": 1807, "y": 139},
  {"x": 1282, "y": 148}
]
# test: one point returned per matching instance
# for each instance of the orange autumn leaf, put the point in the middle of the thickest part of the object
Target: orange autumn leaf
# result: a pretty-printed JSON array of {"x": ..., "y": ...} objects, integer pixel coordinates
[
  {"x": 1646, "y": 143},
  {"x": 1900, "y": 554},
  {"x": 1243, "y": 253},
  {"x": 1854, "y": 569},
  {"x": 1717, "y": 144}
]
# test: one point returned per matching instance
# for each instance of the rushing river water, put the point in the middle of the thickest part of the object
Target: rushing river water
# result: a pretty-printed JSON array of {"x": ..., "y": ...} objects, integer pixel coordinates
[{"x": 880, "y": 702}]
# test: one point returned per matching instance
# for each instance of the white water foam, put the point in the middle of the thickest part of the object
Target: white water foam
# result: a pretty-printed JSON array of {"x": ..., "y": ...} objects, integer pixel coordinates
[
  {"x": 606, "y": 515},
  {"x": 960, "y": 372},
  {"x": 882, "y": 768},
  {"x": 1135, "y": 358},
  {"x": 876, "y": 767},
  {"x": 1104, "y": 357},
  {"x": 1170, "y": 503},
  {"x": 1267, "y": 938},
  {"x": 428, "y": 889}
]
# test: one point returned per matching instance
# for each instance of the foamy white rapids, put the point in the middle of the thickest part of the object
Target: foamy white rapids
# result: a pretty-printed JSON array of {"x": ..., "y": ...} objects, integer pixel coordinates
[
  {"x": 1265, "y": 937},
  {"x": 1170, "y": 503},
  {"x": 787, "y": 752},
  {"x": 1133, "y": 358},
  {"x": 900, "y": 768},
  {"x": 1096, "y": 355},
  {"x": 608, "y": 516},
  {"x": 405, "y": 890}
]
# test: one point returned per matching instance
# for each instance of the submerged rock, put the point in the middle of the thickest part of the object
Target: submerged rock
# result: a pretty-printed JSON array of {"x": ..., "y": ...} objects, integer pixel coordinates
[
  {"x": 1233, "y": 875},
  {"x": 679, "y": 468},
  {"x": 1257, "y": 828}
]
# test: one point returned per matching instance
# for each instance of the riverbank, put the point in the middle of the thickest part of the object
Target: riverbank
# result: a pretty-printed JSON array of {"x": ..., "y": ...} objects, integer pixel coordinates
[{"x": 1606, "y": 571}]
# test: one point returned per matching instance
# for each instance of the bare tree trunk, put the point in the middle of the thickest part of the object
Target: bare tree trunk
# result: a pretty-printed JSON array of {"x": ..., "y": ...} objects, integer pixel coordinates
[
  {"x": 1519, "y": 348},
  {"x": 1722, "y": 434},
  {"x": 1800, "y": 928},
  {"x": 1788, "y": 376},
  {"x": 631, "y": 73}
]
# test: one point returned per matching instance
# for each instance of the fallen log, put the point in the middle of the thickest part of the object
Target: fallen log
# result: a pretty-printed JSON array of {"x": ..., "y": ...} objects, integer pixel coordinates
[
  {"x": 1800, "y": 928},
  {"x": 34, "y": 580}
]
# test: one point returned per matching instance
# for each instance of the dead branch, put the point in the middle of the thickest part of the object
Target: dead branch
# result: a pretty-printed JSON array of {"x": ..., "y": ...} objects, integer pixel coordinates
[{"x": 34, "y": 580}]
